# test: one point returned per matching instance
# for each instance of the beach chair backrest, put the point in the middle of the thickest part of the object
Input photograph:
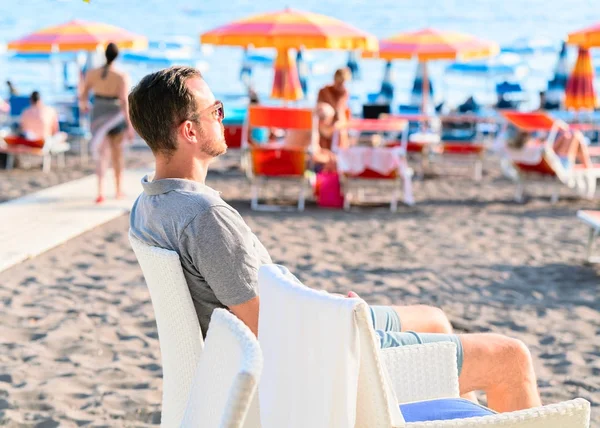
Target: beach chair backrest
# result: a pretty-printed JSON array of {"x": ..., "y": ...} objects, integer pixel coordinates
[
  {"x": 18, "y": 103},
  {"x": 333, "y": 336},
  {"x": 291, "y": 118},
  {"x": 280, "y": 117},
  {"x": 179, "y": 332},
  {"x": 227, "y": 375},
  {"x": 529, "y": 122}
]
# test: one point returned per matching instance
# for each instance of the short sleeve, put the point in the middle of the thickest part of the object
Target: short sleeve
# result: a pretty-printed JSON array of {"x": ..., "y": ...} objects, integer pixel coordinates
[{"x": 222, "y": 248}]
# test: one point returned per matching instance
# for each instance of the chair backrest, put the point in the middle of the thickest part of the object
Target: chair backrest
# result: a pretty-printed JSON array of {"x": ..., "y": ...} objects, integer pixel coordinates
[
  {"x": 260, "y": 116},
  {"x": 178, "y": 327},
  {"x": 227, "y": 375},
  {"x": 321, "y": 359},
  {"x": 18, "y": 103}
]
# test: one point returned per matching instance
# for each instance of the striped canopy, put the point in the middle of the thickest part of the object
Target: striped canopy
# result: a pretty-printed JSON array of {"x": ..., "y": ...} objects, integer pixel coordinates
[
  {"x": 286, "y": 84},
  {"x": 588, "y": 37},
  {"x": 579, "y": 93},
  {"x": 429, "y": 44},
  {"x": 77, "y": 35},
  {"x": 289, "y": 29}
]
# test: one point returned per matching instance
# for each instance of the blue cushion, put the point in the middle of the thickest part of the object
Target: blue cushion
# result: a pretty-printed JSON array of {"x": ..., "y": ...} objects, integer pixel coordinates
[{"x": 442, "y": 410}]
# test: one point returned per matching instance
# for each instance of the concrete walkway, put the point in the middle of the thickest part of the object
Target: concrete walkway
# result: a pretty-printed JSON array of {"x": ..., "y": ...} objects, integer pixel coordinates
[{"x": 40, "y": 221}]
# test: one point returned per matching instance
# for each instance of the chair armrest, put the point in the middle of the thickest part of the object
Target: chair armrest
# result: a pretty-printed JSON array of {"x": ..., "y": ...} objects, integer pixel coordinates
[
  {"x": 422, "y": 372},
  {"x": 572, "y": 414}
]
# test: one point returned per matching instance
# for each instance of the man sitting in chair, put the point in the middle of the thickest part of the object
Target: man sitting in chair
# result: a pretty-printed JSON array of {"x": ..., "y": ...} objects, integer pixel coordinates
[
  {"x": 177, "y": 115},
  {"x": 40, "y": 121}
]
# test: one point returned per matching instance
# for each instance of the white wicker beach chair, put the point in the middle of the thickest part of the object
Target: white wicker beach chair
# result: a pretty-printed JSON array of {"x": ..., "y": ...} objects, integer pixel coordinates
[
  {"x": 227, "y": 375},
  {"x": 385, "y": 378},
  {"x": 179, "y": 332}
]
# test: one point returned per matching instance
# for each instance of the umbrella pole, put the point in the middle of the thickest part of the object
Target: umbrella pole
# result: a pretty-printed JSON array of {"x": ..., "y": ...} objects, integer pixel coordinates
[{"x": 425, "y": 89}]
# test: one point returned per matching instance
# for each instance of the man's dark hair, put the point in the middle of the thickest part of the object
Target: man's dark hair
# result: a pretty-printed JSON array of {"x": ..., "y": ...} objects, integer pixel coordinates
[
  {"x": 159, "y": 103},
  {"x": 34, "y": 97}
]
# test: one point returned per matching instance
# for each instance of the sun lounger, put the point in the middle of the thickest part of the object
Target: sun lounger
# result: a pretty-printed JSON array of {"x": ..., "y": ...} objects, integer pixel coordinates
[
  {"x": 359, "y": 166},
  {"x": 543, "y": 163},
  {"x": 264, "y": 163},
  {"x": 45, "y": 148},
  {"x": 331, "y": 373},
  {"x": 592, "y": 219}
]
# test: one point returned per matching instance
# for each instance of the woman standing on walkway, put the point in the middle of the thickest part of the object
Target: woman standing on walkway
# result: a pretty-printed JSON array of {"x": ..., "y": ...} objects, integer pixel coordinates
[{"x": 110, "y": 123}]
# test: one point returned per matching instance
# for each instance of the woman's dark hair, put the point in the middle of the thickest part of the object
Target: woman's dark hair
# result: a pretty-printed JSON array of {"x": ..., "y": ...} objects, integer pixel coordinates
[{"x": 111, "y": 53}]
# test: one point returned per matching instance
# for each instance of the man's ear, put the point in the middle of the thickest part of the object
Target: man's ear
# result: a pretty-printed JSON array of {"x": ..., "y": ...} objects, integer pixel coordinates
[{"x": 188, "y": 131}]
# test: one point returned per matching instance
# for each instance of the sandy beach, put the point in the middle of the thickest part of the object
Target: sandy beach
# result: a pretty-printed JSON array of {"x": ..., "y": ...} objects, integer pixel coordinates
[{"x": 78, "y": 341}]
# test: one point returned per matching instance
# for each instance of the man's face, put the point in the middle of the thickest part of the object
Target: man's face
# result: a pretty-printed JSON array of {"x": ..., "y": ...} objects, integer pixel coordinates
[{"x": 209, "y": 127}]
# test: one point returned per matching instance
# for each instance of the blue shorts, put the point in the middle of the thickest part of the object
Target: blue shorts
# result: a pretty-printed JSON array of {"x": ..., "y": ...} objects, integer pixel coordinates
[{"x": 389, "y": 329}]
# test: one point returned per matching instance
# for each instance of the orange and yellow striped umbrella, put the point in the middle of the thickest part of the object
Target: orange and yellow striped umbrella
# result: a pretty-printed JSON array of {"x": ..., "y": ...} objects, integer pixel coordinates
[
  {"x": 291, "y": 29},
  {"x": 588, "y": 37},
  {"x": 286, "y": 84},
  {"x": 285, "y": 30},
  {"x": 579, "y": 93},
  {"x": 430, "y": 44},
  {"x": 77, "y": 35}
]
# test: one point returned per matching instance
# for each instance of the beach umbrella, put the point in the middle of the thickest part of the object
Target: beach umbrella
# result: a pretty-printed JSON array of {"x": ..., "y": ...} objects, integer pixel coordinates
[
  {"x": 579, "y": 93},
  {"x": 588, "y": 37},
  {"x": 387, "y": 85},
  {"x": 430, "y": 44},
  {"x": 285, "y": 30},
  {"x": 77, "y": 35},
  {"x": 352, "y": 65},
  {"x": 418, "y": 85},
  {"x": 530, "y": 46},
  {"x": 246, "y": 70},
  {"x": 302, "y": 67},
  {"x": 506, "y": 64},
  {"x": 286, "y": 83},
  {"x": 556, "y": 86}
]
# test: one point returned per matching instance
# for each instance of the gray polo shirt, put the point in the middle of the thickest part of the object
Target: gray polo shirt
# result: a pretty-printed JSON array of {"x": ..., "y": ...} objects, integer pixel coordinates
[{"x": 219, "y": 253}]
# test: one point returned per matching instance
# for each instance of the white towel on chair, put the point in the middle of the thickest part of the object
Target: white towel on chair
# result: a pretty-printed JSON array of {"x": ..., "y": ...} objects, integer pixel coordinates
[
  {"x": 300, "y": 335},
  {"x": 384, "y": 160}
]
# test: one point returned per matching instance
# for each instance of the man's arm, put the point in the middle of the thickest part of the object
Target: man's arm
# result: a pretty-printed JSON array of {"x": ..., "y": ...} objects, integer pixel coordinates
[
  {"x": 222, "y": 249},
  {"x": 248, "y": 313}
]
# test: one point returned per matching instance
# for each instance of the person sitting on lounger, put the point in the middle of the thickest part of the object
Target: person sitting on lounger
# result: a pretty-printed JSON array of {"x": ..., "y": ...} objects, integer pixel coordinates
[
  {"x": 40, "y": 121},
  {"x": 569, "y": 146}
]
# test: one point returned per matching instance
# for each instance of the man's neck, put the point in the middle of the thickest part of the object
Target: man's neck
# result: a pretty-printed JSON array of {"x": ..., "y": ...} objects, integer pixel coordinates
[{"x": 188, "y": 169}]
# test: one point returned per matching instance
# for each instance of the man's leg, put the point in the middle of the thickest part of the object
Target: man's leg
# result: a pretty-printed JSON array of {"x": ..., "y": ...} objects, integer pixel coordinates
[
  {"x": 417, "y": 318},
  {"x": 423, "y": 319},
  {"x": 493, "y": 363},
  {"x": 501, "y": 367}
]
